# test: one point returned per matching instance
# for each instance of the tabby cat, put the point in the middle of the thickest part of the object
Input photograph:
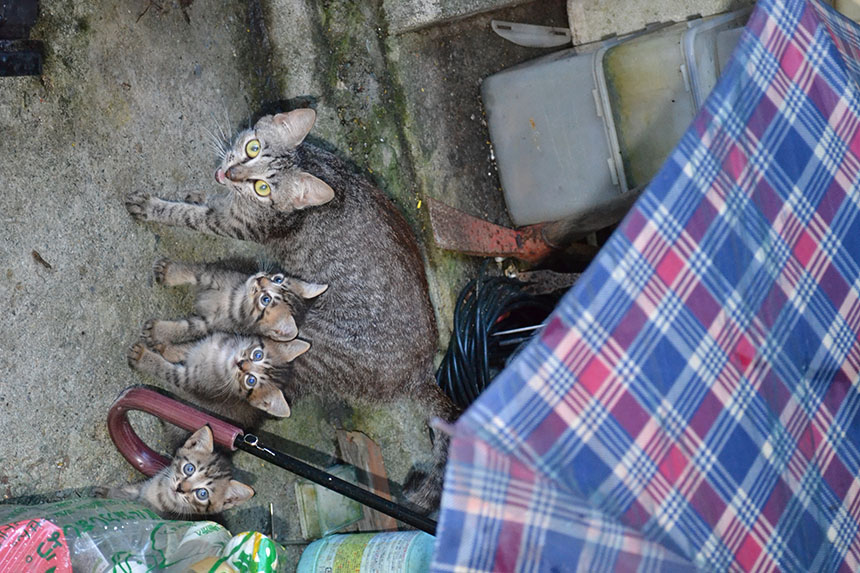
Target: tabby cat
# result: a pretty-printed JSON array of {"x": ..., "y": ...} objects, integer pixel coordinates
[
  {"x": 374, "y": 332},
  {"x": 197, "y": 482},
  {"x": 229, "y": 297},
  {"x": 231, "y": 375}
]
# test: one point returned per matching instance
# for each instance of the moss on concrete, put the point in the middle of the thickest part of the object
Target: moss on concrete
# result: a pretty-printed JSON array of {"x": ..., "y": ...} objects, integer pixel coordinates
[
  {"x": 255, "y": 49},
  {"x": 367, "y": 102}
]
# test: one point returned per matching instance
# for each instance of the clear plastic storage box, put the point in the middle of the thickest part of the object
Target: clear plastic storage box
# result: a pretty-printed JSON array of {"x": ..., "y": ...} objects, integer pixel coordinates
[{"x": 575, "y": 129}]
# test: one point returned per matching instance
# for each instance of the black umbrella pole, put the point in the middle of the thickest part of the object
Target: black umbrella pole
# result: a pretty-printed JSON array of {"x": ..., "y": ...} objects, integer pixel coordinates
[{"x": 251, "y": 444}]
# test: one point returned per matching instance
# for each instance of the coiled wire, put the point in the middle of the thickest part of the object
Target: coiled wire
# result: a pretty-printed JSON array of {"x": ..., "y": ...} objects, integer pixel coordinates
[{"x": 486, "y": 310}]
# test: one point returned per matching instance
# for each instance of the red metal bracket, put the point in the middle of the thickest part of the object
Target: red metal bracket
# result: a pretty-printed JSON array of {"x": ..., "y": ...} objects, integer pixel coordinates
[{"x": 458, "y": 231}]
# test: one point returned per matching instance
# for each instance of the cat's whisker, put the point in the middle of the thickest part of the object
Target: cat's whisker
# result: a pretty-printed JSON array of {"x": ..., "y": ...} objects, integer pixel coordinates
[
  {"x": 216, "y": 123},
  {"x": 219, "y": 145},
  {"x": 227, "y": 113},
  {"x": 214, "y": 137},
  {"x": 222, "y": 145},
  {"x": 225, "y": 391},
  {"x": 220, "y": 137},
  {"x": 222, "y": 132},
  {"x": 219, "y": 151}
]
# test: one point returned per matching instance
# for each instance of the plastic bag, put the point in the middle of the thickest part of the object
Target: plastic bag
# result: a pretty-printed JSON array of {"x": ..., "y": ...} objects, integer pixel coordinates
[
  {"x": 103, "y": 535},
  {"x": 34, "y": 545}
]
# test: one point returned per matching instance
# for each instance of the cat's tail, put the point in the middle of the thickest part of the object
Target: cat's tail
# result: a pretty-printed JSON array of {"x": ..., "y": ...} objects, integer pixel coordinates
[{"x": 424, "y": 487}]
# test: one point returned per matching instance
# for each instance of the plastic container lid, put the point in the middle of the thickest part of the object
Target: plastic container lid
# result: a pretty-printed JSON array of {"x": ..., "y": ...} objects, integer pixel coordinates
[
  {"x": 549, "y": 137},
  {"x": 577, "y": 128},
  {"x": 653, "y": 84},
  {"x": 644, "y": 88},
  {"x": 708, "y": 46}
]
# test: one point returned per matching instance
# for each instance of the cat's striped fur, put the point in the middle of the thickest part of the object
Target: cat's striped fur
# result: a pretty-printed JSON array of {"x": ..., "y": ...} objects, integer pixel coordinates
[
  {"x": 231, "y": 375},
  {"x": 227, "y": 299},
  {"x": 374, "y": 332},
  {"x": 198, "y": 481}
]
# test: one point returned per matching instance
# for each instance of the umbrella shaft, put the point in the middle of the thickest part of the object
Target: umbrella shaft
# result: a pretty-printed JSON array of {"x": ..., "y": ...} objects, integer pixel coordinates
[{"x": 251, "y": 444}]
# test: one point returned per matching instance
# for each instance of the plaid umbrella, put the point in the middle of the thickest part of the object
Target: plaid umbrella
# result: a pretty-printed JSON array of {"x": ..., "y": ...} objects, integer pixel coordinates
[{"x": 693, "y": 401}]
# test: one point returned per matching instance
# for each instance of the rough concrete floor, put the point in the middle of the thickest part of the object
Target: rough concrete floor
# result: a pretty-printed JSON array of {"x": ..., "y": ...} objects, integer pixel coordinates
[{"x": 128, "y": 93}]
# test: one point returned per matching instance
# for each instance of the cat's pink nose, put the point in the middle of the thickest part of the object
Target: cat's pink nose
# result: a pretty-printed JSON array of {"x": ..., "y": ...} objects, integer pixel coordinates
[
  {"x": 219, "y": 177},
  {"x": 238, "y": 173}
]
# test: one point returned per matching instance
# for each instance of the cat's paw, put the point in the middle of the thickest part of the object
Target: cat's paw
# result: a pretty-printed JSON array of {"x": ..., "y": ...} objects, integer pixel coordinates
[
  {"x": 159, "y": 271},
  {"x": 137, "y": 205},
  {"x": 135, "y": 354},
  {"x": 150, "y": 333},
  {"x": 100, "y": 491},
  {"x": 196, "y": 198}
]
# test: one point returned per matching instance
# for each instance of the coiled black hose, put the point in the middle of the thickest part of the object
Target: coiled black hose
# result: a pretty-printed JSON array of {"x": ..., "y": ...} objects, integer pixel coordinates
[{"x": 486, "y": 310}]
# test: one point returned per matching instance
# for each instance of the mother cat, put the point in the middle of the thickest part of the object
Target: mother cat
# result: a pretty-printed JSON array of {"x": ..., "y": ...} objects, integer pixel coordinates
[{"x": 373, "y": 333}]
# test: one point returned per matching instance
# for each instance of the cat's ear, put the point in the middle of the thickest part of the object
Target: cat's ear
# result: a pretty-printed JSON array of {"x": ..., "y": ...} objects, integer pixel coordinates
[
  {"x": 289, "y": 351},
  {"x": 310, "y": 191},
  {"x": 288, "y": 329},
  {"x": 236, "y": 493},
  {"x": 295, "y": 125},
  {"x": 306, "y": 289},
  {"x": 201, "y": 440},
  {"x": 272, "y": 402}
]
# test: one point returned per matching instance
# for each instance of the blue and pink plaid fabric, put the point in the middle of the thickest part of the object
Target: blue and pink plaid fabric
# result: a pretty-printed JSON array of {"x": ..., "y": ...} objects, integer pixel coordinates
[{"x": 694, "y": 402}]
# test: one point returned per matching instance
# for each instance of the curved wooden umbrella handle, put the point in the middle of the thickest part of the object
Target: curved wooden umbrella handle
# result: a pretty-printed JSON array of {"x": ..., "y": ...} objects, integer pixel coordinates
[{"x": 152, "y": 401}]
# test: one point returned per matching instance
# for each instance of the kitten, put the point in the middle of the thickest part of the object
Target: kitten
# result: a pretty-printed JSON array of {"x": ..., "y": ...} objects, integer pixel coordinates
[
  {"x": 197, "y": 482},
  {"x": 234, "y": 376},
  {"x": 374, "y": 333},
  {"x": 229, "y": 299}
]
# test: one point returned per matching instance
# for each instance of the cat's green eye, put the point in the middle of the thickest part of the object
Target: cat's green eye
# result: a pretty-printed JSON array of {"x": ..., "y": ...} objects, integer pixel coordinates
[
  {"x": 262, "y": 188},
  {"x": 252, "y": 148}
]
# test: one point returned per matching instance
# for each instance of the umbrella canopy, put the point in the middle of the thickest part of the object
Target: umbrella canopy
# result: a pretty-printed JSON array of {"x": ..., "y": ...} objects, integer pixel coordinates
[{"x": 693, "y": 401}]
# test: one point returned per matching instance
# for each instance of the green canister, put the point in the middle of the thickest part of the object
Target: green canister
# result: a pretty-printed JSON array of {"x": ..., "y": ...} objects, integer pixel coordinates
[{"x": 388, "y": 552}]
